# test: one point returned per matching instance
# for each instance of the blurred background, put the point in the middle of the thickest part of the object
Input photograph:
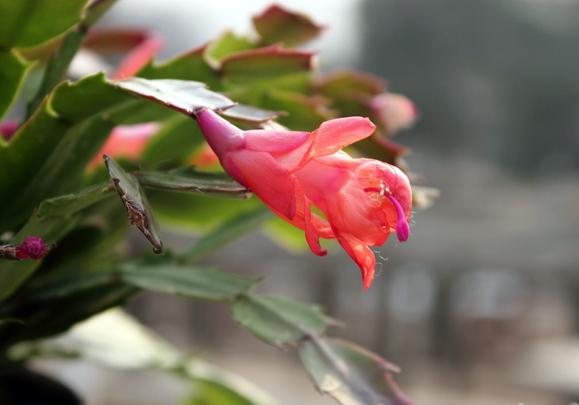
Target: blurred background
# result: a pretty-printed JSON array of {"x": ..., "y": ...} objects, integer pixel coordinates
[{"x": 481, "y": 306}]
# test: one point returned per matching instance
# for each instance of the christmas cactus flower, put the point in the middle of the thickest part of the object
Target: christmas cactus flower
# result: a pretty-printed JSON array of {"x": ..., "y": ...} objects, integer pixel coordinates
[{"x": 363, "y": 200}]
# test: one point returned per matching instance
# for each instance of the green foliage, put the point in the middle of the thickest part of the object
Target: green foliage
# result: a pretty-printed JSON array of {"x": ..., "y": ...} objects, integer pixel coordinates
[
  {"x": 12, "y": 72},
  {"x": 182, "y": 95},
  {"x": 189, "y": 66},
  {"x": 135, "y": 201},
  {"x": 192, "y": 181},
  {"x": 349, "y": 373},
  {"x": 175, "y": 142},
  {"x": 231, "y": 229},
  {"x": 209, "y": 392},
  {"x": 30, "y": 22},
  {"x": 279, "y": 321},
  {"x": 227, "y": 44},
  {"x": 188, "y": 282},
  {"x": 277, "y": 25}
]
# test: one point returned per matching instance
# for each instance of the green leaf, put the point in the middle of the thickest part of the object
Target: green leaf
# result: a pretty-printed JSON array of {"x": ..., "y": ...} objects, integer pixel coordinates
[
  {"x": 62, "y": 286},
  {"x": 351, "y": 374},
  {"x": 188, "y": 282},
  {"x": 57, "y": 65},
  {"x": 45, "y": 320},
  {"x": 249, "y": 114},
  {"x": 27, "y": 151},
  {"x": 350, "y": 84},
  {"x": 95, "y": 10},
  {"x": 231, "y": 229},
  {"x": 184, "y": 96},
  {"x": 30, "y": 22},
  {"x": 76, "y": 101},
  {"x": 213, "y": 385},
  {"x": 63, "y": 169},
  {"x": 92, "y": 247},
  {"x": 195, "y": 212},
  {"x": 209, "y": 392},
  {"x": 227, "y": 44},
  {"x": 303, "y": 112},
  {"x": 12, "y": 72},
  {"x": 194, "y": 182},
  {"x": 278, "y": 25},
  {"x": 59, "y": 59},
  {"x": 135, "y": 202},
  {"x": 265, "y": 63},
  {"x": 188, "y": 66},
  {"x": 69, "y": 204},
  {"x": 279, "y": 321},
  {"x": 173, "y": 144},
  {"x": 247, "y": 76}
]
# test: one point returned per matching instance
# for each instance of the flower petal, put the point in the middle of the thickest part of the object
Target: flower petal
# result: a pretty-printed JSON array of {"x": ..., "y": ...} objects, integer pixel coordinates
[
  {"x": 312, "y": 224},
  {"x": 271, "y": 182},
  {"x": 304, "y": 209},
  {"x": 274, "y": 141},
  {"x": 362, "y": 255},
  {"x": 323, "y": 227},
  {"x": 338, "y": 133}
]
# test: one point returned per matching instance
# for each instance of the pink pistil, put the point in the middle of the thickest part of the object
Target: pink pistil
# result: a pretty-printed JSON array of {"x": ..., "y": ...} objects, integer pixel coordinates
[{"x": 402, "y": 227}]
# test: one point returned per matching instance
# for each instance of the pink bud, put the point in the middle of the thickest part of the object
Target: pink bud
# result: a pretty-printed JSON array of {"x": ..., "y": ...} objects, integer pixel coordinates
[
  {"x": 394, "y": 111},
  {"x": 8, "y": 128},
  {"x": 33, "y": 247}
]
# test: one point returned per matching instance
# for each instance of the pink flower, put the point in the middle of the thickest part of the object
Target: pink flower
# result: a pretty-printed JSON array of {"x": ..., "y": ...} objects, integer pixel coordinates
[
  {"x": 127, "y": 141},
  {"x": 363, "y": 200}
]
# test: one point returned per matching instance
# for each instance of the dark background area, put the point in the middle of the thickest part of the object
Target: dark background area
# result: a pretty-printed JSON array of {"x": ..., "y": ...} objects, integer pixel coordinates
[{"x": 495, "y": 79}]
